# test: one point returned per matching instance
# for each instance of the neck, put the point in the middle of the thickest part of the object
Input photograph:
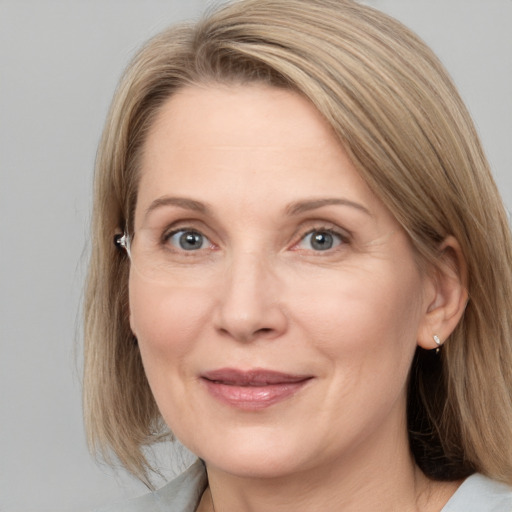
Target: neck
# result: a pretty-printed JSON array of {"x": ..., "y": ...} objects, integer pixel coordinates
[{"x": 358, "y": 482}]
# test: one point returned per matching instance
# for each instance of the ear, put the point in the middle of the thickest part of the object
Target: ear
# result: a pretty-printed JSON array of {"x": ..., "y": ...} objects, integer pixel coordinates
[
  {"x": 446, "y": 297},
  {"x": 132, "y": 323},
  {"x": 131, "y": 320}
]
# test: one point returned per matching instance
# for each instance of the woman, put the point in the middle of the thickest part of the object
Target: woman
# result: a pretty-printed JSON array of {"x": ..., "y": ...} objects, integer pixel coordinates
[{"x": 310, "y": 283}]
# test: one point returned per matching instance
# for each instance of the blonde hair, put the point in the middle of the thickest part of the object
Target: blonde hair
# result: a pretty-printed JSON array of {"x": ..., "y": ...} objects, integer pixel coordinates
[{"x": 399, "y": 117}]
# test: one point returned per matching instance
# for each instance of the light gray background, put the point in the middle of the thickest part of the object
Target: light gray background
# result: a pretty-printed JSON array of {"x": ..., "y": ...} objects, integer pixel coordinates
[{"x": 59, "y": 63}]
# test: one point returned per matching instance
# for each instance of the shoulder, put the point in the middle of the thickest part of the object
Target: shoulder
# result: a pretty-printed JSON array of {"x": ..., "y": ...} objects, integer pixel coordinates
[
  {"x": 180, "y": 495},
  {"x": 480, "y": 494}
]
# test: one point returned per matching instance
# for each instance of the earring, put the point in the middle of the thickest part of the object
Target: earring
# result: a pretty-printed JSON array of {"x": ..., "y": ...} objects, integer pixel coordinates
[{"x": 437, "y": 342}]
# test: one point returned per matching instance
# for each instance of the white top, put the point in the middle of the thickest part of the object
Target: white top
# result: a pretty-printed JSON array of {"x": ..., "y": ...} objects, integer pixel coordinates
[
  {"x": 480, "y": 494},
  {"x": 476, "y": 494}
]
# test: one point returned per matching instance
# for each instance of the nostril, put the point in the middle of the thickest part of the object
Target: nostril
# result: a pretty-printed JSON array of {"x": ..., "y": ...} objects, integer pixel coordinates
[{"x": 264, "y": 330}]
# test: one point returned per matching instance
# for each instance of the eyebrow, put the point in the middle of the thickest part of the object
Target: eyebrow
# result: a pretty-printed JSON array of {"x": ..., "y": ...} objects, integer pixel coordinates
[
  {"x": 181, "y": 202},
  {"x": 299, "y": 207},
  {"x": 295, "y": 208}
]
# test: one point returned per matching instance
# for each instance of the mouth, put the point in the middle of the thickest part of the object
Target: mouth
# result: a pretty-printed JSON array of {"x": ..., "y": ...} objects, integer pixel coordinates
[{"x": 253, "y": 389}]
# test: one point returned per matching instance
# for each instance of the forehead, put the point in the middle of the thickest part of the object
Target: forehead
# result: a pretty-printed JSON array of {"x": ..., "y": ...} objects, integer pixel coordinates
[
  {"x": 245, "y": 144},
  {"x": 243, "y": 116}
]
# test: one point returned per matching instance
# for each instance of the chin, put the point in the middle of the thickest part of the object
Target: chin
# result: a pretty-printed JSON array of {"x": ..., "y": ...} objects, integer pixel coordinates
[
  {"x": 251, "y": 454},
  {"x": 255, "y": 466}
]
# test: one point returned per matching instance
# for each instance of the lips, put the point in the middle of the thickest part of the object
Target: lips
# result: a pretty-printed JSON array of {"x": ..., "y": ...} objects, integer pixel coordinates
[{"x": 254, "y": 389}]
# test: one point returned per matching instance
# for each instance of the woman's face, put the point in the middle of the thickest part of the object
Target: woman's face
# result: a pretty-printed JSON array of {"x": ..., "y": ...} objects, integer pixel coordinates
[{"x": 277, "y": 302}]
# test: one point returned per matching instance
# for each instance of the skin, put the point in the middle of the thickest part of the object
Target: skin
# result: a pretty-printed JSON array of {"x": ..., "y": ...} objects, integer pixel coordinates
[{"x": 258, "y": 294}]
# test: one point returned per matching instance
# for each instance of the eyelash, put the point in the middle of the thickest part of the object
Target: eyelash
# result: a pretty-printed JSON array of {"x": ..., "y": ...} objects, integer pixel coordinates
[
  {"x": 341, "y": 235},
  {"x": 167, "y": 236},
  {"x": 334, "y": 233}
]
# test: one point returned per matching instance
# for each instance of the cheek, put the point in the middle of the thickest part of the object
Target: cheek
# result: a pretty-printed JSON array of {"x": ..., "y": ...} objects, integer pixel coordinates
[
  {"x": 166, "y": 321},
  {"x": 365, "y": 324},
  {"x": 352, "y": 308}
]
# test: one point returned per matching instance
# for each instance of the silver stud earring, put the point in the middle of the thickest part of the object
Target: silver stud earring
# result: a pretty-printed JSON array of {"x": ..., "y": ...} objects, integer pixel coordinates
[{"x": 437, "y": 342}]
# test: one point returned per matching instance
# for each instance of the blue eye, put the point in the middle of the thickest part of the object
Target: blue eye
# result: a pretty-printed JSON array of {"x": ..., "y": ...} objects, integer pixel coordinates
[
  {"x": 320, "y": 240},
  {"x": 188, "y": 240}
]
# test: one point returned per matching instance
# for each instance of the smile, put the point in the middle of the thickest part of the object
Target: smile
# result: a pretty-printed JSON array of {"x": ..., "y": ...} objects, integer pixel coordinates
[{"x": 254, "y": 389}]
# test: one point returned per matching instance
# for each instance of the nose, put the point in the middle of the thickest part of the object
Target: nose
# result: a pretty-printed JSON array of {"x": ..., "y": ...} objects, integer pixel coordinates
[{"x": 249, "y": 305}]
